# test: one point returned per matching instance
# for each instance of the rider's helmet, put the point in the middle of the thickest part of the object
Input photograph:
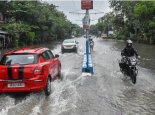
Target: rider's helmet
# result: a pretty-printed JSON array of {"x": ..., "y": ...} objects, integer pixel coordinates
[{"x": 129, "y": 43}]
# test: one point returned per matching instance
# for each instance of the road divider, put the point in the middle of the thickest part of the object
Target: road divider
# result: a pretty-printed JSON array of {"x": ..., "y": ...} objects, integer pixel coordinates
[{"x": 87, "y": 66}]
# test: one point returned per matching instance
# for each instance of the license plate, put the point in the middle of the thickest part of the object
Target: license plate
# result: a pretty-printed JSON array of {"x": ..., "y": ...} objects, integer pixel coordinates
[
  {"x": 68, "y": 46},
  {"x": 16, "y": 85}
]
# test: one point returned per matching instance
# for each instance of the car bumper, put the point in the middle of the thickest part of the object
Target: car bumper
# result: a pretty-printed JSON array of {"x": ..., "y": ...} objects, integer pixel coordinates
[
  {"x": 31, "y": 85},
  {"x": 69, "y": 50}
]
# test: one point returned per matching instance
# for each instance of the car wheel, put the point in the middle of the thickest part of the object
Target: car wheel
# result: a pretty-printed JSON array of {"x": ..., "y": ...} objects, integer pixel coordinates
[
  {"x": 60, "y": 75},
  {"x": 48, "y": 87}
]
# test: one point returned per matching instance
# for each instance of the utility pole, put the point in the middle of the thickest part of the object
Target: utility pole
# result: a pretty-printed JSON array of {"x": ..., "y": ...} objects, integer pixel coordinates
[
  {"x": 87, "y": 43},
  {"x": 87, "y": 63}
]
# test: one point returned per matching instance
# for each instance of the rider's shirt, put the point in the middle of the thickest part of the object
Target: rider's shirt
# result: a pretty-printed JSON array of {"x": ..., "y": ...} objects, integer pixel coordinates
[{"x": 129, "y": 52}]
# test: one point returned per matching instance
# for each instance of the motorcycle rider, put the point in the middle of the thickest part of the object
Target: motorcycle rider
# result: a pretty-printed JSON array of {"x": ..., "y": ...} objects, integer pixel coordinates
[
  {"x": 128, "y": 51},
  {"x": 91, "y": 42}
]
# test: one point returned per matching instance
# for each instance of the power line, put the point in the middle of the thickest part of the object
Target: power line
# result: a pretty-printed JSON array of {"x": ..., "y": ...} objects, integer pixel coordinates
[
  {"x": 90, "y": 20},
  {"x": 85, "y": 13}
]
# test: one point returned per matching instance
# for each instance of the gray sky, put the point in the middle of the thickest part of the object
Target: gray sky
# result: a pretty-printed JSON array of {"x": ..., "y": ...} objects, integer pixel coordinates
[{"x": 75, "y": 6}]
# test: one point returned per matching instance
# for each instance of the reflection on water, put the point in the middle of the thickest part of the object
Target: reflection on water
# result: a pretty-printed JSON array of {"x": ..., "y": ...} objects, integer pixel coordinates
[{"x": 138, "y": 101}]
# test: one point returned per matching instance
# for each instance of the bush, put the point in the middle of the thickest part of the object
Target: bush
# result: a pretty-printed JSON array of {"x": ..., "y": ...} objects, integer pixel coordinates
[{"x": 31, "y": 37}]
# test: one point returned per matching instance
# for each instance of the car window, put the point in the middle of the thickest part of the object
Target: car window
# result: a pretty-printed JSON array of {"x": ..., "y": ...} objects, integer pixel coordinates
[
  {"x": 19, "y": 59},
  {"x": 69, "y": 41},
  {"x": 45, "y": 55},
  {"x": 50, "y": 54}
]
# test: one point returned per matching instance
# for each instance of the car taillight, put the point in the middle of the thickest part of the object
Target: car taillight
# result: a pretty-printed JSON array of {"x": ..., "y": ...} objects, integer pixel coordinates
[{"x": 38, "y": 70}]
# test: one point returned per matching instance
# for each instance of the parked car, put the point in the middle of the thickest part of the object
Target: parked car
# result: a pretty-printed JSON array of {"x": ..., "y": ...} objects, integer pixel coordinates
[
  {"x": 69, "y": 45},
  {"x": 104, "y": 36},
  {"x": 29, "y": 70}
]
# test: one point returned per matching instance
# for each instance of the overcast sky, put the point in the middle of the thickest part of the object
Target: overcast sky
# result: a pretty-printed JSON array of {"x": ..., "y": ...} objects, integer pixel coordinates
[{"x": 75, "y": 6}]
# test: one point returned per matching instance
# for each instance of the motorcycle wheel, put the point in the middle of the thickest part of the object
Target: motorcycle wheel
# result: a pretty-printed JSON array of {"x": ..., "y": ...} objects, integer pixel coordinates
[{"x": 134, "y": 77}]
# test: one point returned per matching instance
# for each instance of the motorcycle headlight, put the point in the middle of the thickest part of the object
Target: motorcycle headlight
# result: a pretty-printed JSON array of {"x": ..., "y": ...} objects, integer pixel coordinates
[
  {"x": 133, "y": 63},
  {"x": 133, "y": 60}
]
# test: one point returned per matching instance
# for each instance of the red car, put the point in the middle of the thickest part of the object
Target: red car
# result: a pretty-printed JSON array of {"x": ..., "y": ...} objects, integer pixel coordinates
[{"x": 29, "y": 69}]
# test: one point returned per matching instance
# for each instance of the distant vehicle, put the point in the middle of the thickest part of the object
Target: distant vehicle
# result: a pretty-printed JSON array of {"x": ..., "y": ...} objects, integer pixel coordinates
[
  {"x": 104, "y": 36},
  {"x": 29, "y": 70},
  {"x": 73, "y": 36},
  {"x": 69, "y": 45}
]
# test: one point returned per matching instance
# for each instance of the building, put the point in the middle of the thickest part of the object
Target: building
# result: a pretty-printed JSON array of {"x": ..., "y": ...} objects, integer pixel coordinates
[{"x": 5, "y": 39}]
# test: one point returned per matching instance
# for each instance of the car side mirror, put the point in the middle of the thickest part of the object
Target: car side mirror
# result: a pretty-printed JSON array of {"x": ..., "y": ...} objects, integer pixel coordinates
[{"x": 56, "y": 55}]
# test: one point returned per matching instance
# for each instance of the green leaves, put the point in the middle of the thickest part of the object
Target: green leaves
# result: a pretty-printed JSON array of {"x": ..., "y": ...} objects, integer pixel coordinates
[
  {"x": 105, "y": 23},
  {"x": 30, "y": 21},
  {"x": 140, "y": 19},
  {"x": 17, "y": 27}
]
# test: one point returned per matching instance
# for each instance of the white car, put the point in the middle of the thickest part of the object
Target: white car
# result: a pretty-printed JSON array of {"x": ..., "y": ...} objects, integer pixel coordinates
[{"x": 69, "y": 45}]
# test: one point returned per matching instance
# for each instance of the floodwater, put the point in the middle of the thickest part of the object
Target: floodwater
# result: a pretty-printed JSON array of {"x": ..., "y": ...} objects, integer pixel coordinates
[{"x": 107, "y": 92}]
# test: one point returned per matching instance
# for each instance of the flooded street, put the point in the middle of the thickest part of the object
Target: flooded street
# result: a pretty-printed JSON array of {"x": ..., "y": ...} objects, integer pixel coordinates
[{"x": 107, "y": 92}]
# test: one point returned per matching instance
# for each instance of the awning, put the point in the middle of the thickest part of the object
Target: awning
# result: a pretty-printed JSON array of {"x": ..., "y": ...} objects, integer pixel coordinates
[{"x": 3, "y": 32}]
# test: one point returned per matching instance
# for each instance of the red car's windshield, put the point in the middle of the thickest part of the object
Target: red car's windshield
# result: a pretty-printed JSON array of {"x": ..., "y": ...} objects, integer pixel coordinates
[{"x": 19, "y": 59}]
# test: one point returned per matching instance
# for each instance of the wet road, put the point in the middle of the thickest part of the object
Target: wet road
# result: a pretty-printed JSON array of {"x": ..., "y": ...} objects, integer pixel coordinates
[{"x": 107, "y": 92}]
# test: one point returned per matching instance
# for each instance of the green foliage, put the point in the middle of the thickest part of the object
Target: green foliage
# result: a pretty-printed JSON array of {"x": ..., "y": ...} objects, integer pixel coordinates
[
  {"x": 93, "y": 29},
  {"x": 130, "y": 19},
  {"x": 105, "y": 24},
  {"x": 34, "y": 21},
  {"x": 76, "y": 30},
  {"x": 17, "y": 27},
  {"x": 31, "y": 37}
]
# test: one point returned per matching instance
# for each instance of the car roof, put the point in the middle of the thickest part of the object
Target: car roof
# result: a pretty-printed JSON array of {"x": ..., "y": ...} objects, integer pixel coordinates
[
  {"x": 27, "y": 51},
  {"x": 69, "y": 40}
]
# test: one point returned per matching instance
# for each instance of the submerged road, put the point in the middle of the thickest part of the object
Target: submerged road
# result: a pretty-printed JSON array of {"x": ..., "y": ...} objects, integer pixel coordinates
[{"x": 107, "y": 92}]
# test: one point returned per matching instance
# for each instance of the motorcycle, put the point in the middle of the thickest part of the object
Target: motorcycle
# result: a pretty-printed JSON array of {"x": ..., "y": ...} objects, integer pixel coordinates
[{"x": 128, "y": 67}]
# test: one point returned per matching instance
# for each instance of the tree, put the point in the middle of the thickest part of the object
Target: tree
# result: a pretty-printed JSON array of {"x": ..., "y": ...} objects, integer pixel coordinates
[
  {"x": 144, "y": 12},
  {"x": 35, "y": 20},
  {"x": 137, "y": 19}
]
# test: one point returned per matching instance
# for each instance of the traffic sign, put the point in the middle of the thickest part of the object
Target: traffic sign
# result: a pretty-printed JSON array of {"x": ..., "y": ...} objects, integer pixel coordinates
[
  {"x": 86, "y": 4},
  {"x": 86, "y": 21}
]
